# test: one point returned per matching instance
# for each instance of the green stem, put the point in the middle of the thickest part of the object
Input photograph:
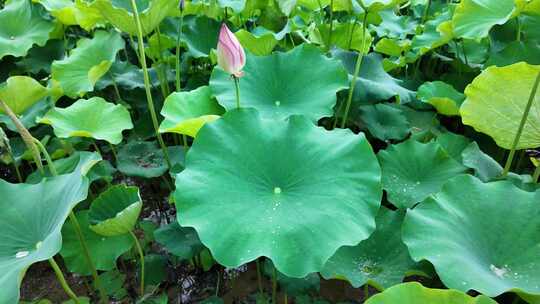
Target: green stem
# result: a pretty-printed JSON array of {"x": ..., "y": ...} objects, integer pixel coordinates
[
  {"x": 218, "y": 282},
  {"x": 141, "y": 256},
  {"x": 115, "y": 86},
  {"x": 62, "y": 281},
  {"x": 518, "y": 36},
  {"x": 184, "y": 142},
  {"x": 536, "y": 174},
  {"x": 426, "y": 12},
  {"x": 142, "y": 57},
  {"x": 113, "y": 151},
  {"x": 178, "y": 58},
  {"x": 285, "y": 299},
  {"x": 259, "y": 277},
  {"x": 274, "y": 285},
  {"x": 16, "y": 166},
  {"x": 355, "y": 75},
  {"x": 237, "y": 87},
  {"x": 328, "y": 45},
  {"x": 96, "y": 147},
  {"x": 510, "y": 158},
  {"x": 48, "y": 158},
  {"x": 366, "y": 292}
]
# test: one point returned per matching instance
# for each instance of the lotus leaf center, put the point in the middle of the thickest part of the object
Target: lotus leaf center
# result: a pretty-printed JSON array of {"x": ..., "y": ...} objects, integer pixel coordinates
[
  {"x": 277, "y": 103},
  {"x": 277, "y": 190},
  {"x": 38, "y": 245}
]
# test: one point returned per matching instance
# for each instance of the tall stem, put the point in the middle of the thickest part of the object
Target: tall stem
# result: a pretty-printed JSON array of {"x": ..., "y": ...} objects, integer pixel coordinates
[
  {"x": 237, "y": 87},
  {"x": 328, "y": 44},
  {"x": 141, "y": 257},
  {"x": 259, "y": 277},
  {"x": 62, "y": 281},
  {"x": 142, "y": 58},
  {"x": 178, "y": 71},
  {"x": 274, "y": 285},
  {"x": 510, "y": 158},
  {"x": 536, "y": 174},
  {"x": 26, "y": 136},
  {"x": 52, "y": 168},
  {"x": 356, "y": 72}
]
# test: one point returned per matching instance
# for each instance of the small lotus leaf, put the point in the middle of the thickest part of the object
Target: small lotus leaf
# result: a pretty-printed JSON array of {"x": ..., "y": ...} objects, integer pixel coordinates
[
  {"x": 89, "y": 61},
  {"x": 182, "y": 242},
  {"x": 31, "y": 219},
  {"x": 145, "y": 159},
  {"x": 280, "y": 175},
  {"x": 279, "y": 85},
  {"x": 115, "y": 211},
  {"x": 412, "y": 171},
  {"x": 187, "y": 112},
  {"x": 496, "y": 101},
  {"x": 382, "y": 260},
  {"x": 385, "y": 122},
  {"x": 489, "y": 229},
  {"x": 442, "y": 96},
  {"x": 21, "y": 92},
  {"x": 21, "y": 26},
  {"x": 94, "y": 118},
  {"x": 104, "y": 250},
  {"x": 415, "y": 293}
]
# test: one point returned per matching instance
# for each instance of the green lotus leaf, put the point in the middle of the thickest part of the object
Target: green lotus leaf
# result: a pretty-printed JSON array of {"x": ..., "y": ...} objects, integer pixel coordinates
[
  {"x": 80, "y": 161},
  {"x": 412, "y": 171},
  {"x": 436, "y": 32},
  {"x": 385, "y": 122},
  {"x": 187, "y": 112},
  {"x": 21, "y": 92},
  {"x": 394, "y": 26},
  {"x": 31, "y": 219},
  {"x": 182, "y": 242},
  {"x": 115, "y": 211},
  {"x": 39, "y": 58},
  {"x": 382, "y": 260},
  {"x": 293, "y": 286},
  {"x": 145, "y": 159},
  {"x": 70, "y": 12},
  {"x": 413, "y": 293},
  {"x": 484, "y": 166},
  {"x": 342, "y": 36},
  {"x": 498, "y": 113},
  {"x": 113, "y": 283},
  {"x": 281, "y": 174},
  {"x": 280, "y": 85},
  {"x": 120, "y": 14},
  {"x": 126, "y": 76},
  {"x": 104, "y": 250},
  {"x": 392, "y": 47},
  {"x": 442, "y": 96},
  {"x": 373, "y": 83},
  {"x": 89, "y": 61},
  {"x": 201, "y": 35},
  {"x": 474, "y": 18},
  {"x": 94, "y": 118},
  {"x": 259, "y": 45},
  {"x": 453, "y": 144},
  {"x": 237, "y": 5},
  {"x": 516, "y": 51},
  {"x": 21, "y": 26},
  {"x": 490, "y": 229}
]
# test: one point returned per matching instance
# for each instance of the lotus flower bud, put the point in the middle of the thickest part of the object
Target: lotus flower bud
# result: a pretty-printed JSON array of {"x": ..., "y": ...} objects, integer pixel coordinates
[{"x": 230, "y": 54}]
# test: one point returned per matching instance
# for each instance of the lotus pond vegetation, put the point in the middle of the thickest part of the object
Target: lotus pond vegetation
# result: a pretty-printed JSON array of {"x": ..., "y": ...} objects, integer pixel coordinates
[{"x": 270, "y": 151}]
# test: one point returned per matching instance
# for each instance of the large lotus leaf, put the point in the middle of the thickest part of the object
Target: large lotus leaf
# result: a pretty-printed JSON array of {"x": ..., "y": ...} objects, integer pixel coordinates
[
  {"x": 120, "y": 14},
  {"x": 187, "y": 112},
  {"x": 280, "y": 175},
  {"x": 180, "y": 241},
  {"x": 282, "y": 84},
  {"x": 474, "y": 18},
  {"x": 31, "y": 219},
  {"x": 89, "y": 61},
  {"x": 22, "y": 26},
  {"x": 442, "y": 96},
  {"x": 70, "y": 12},
  {"x": 257, "y": 44},
  {"x": 94, "y": 118},
  {"x": 373, "y": 83},
  {"x": 385, "y": 122},
  {"x": 489, "y": 229},
  {"x": 200, "y": 35},
  {"x": 115, "y": 211},
  {"x": 412, "y": 171},
  {"x": 104, "y": 250},
  {"x": 453, "y": 144},
  {"x": 415, "y": 293},
  {"x": 516, "y": 51},
  {"x": 21, "y": 92},
  {"x": 382, "y": 260},
  {"x": 145, "y": 159},
  {"x": 39, "y": 58},
  {"x": 498, "y": 112}
]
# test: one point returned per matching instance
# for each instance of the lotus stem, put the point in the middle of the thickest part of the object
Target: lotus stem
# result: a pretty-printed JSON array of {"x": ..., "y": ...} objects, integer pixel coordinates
[
  {"x": 26, "y": 136},
  {"x": 366, "y": 292},
  {"x": 178, "y": 58},
  {"x": 16, "y": 166},
  {"x": 218, "y": 283},
  {"x": 237, "y": 87},
  {"x": 356, "y": 72},
  {"x": 510, "y": 158},
  {"x": 274, "y": 285},
  {"x": 62, "y": 281},
  {"x": 48, "y": 158},
  {"x": 285, "y": 299},
  {"x": 328, "y": 44},
  {"x": 426, "y": 12},
  {"x": 141, "y": 257},
  {"x": 536, "y": 174},
  {"x": 113, "y": 151},
  {"x": 259, "y": 277},
  {"x": 115, "y": 86},
  {"x": 142, "y": 59}
]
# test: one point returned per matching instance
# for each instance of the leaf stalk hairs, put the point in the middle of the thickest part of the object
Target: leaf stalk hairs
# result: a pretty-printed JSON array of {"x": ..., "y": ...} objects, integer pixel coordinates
[
  {"x": 142, "y": 59},
  {"x": 510, "y": 158}
]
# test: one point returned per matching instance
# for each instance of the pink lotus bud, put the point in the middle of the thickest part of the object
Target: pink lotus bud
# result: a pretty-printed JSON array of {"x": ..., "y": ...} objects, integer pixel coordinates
[{"x": 230, "y": 54}]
